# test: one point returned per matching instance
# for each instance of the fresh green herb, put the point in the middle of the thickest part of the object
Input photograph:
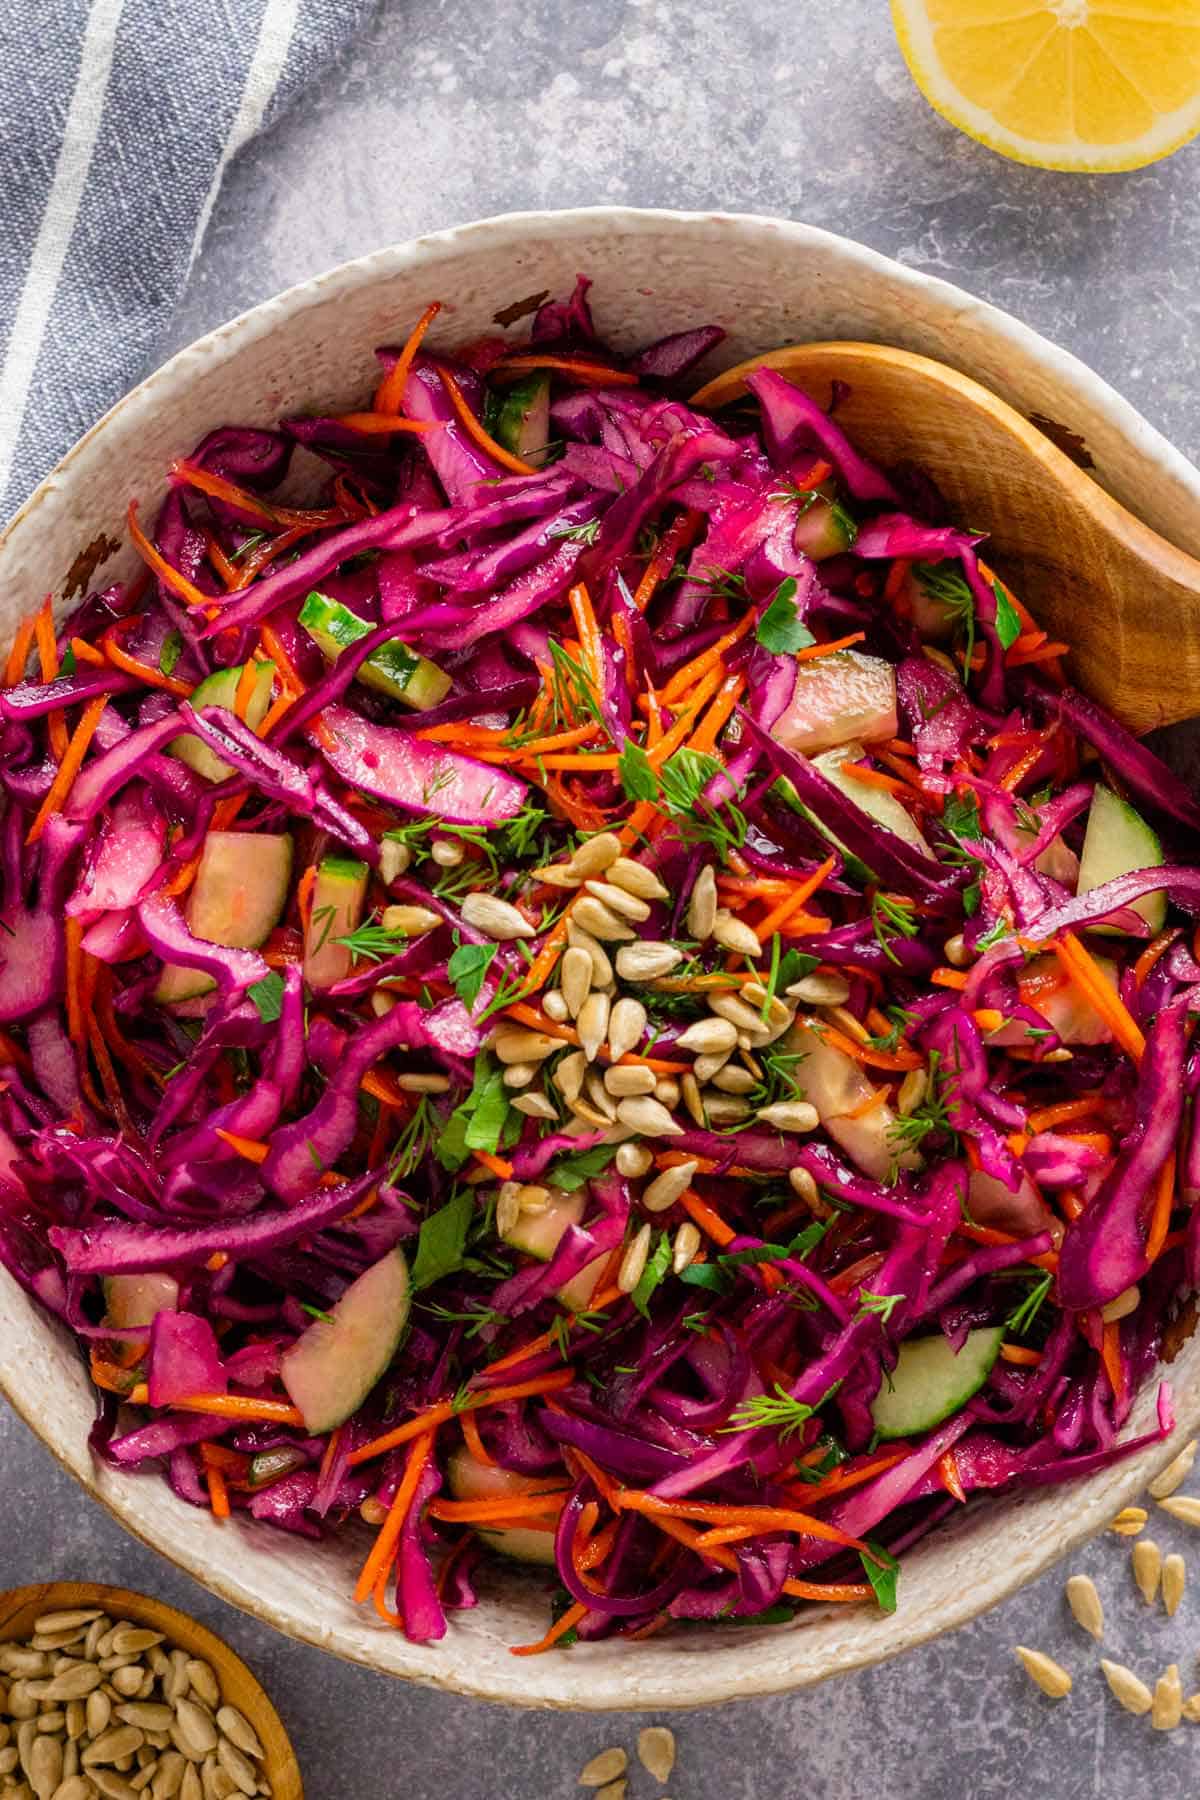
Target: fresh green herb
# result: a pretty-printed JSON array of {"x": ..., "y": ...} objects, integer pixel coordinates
[
  {"x": 478, "y": 1123},
  {"x": 945, "y": 583},
  {"x": 636, "y": 773},
  {"x": 883, "y": 1573},
  {"x": 678, "y": 787},
  {"x": 771, "y": 987},
  {"x": 961, "y": 816},
  {"x": 586, "y": 533},
  {"x": 466, "y": 969},
  {"x": 697, "y": 1321},
  {"x": 845, "y": 522},
  {"x": 172, "y": 650},
  {"x": 570, "y": 1172},
  {"x": 476, "y": 1318},
  {"x": 778, "y": 1078},
  {"x": 883, "y": 1305},
  {"x": 932, "y": 1116},
  {"x": 832, "y": 1455},
  {"x": 1008, "y": 620},
  {"x": 707, "y": 1275},
  {"x": 892, "y": 919},
  {"x": 794, "y": 965},
  {"x": 421, "y": 1132},
  {"x": 684, "y": 778},
  {"x": 315, "y": 1312},
  {"x": 777, "y": 1411},
  {"x": 723, "y": 584},
  {"x": 993, "y": 935},
  {"x": 972, "y": 898},
  {"x": 370, "y": 942},
  {"x": 505, "y": 994},
  {"x": 1020, "y": 1320},
  {"x": 788, "y": 493},
  {"x": 247, "y": 544},
  {"x": 571, "y": 691},
  {"x": 657, "y": 1264},
  {"x": 780, "y": 628},
  {"x": 68, "y": 665},
  {"x": 267, "y": 996},
  {"x": 443, "y": 1239}
]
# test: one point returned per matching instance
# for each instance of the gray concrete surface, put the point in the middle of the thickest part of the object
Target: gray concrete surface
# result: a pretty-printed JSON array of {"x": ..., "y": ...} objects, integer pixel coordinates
[{"x": 446, "y": 112}]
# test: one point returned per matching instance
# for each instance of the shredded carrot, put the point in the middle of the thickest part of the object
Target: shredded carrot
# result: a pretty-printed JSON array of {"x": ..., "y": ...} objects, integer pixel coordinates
[
  {"x": 506, "y": 1507},
  {"x": 559, "y": 1629},
  {"x": 497, "y": 1164},
  {"x": 1070, "y": 1204},
  {"x": 891, "y": 784},
  {"x": 73, "y": 935},
  {"x": 253, "y": 1149},
  {"x": 951, "y": 1480},
  {"x": 583, "y": 368},
  {"x": 1110, "y": 1356},
  {"x": 1092, "y": 1140},
  {"x": 167, "y": 573},
  {"x": 56, "y": 722},
  {"x": 677, "y": 537},
  {"x": 218, "y": 487},
  {"x": 1154, "y": 949},
  {"x": 1019, "y": 1353},
  {"x": 384, "y": 1547},
  {"x": 812, "y": 652},
  {"x": 389, "y": 395},
  {"x": 869, "y": 1105},
  {"x": 717, "y": 717},
  {"x": 989, "y": 1018},
  {"x": 108, "y": 1075},
  {"x": 475, "y": 428},
  {"x": 864, "y": 1053},
  {"x": 1084, "y": 972},
  {"x": 18, "y": 656},
  {"x": 379, "y": 1599},
  {"x": 949, "y": 978},
  {"x": 229, "y": 1406},
  {"x": 372, "y": 424},
  {"x": 447, "y": 1409},
  {"x": 841, "y": 1481},
  {"x": 120, "y": 658},
  {"x": 69, "y": 767},
  {"x": 761, "y": 1518},
  {"x": 86, "y": 653},
  {"x": 698, "y": 697},
  {"x": 218, "y": 1493},
  {"x": 690, "y": 673},
  {"x": 474, "y": 1442},
  {"x": 1160, "y": 1217},
  {"x": 246, "y": 683},
  {"x": 275, "y": 650},
  {"x": 844, "y": 1592},
  {"x": 703, "y": 1215},
  {"x": 1023, "y": 766},
  {"x": 804, "y": 890}
]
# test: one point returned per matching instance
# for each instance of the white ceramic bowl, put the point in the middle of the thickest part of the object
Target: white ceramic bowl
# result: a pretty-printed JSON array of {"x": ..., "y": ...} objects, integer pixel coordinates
[{"x": 768, "y": 283}]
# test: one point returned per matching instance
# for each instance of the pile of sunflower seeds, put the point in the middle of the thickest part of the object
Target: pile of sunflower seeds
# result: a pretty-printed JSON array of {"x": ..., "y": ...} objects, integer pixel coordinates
[
  {"x": 608, "y": 1773},
  {"x": 95, "y": 1708}
]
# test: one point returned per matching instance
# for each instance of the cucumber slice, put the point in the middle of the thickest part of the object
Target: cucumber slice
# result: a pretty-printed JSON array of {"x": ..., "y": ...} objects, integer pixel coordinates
[
  {"x": 392, "y": 669},
  {"x": 824, "y": 529},
  {"x": 330, "y": 1370},
  {"x": 877, "y": 803},
  {"x": 538, "y": 1234},
  {"x": 838, "y": 1087},
  {"x": 523, "y": 419},
  {"x": 1064, "y": 1007},
  {"x": 337, "y": 903},
  {"x": 238, "y": 898},
  {"x": 220, "y": 689},
  {"x": 470, "y": 1479},
  {"x": 846, "y": 698},
  {"x": 132, "y": 1300},
  {"x": 577, "y": 1294},
  {"x": 1118, "y": 841},
  {"x": 929, "y": 1382}
]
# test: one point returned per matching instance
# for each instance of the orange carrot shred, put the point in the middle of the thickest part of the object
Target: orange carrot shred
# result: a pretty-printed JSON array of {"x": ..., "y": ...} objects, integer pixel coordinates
[
  {"x": 389, "y": 395},
  {"x": 385, "y": 1544},
  {"x": 18, "y": 656},
  {"x": 559, "y": 1629},
  {"x": 475, "y": 428},
  {"x": 69, "y": 766},
  {"x": 1086, "y": 975}
]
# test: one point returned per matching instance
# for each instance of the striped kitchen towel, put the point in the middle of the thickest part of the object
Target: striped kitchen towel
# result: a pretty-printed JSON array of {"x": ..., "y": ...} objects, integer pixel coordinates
[{"x": 118, "y": 119}]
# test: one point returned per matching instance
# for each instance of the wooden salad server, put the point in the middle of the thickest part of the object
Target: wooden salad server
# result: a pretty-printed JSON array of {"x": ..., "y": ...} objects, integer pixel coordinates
[{"x": 1092, "y": 575}]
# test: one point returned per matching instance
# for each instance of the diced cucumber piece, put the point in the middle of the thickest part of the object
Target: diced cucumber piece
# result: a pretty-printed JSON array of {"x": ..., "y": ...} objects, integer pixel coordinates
[
  {"x": 523, "y": 419},
  {"x": 538, "y": 1234},
  {"x": 878, "y": 804},
  {"x": 840, "y": 1089},
  {"x": 824, "y": 528},
  {"x": 846, "y": 698},
  {"x": 133, "y": 1300},
  {"x": 392, "y": 669},
  {"x": 220, "y": 689},
  {"x": 469, "y": 1479},
  {"x": 929, "y": 1381},
  {"x": 331, "y": 1369},
  {"x": 337, "y": 903},
  {"x": 1064, "y": 1007},
  {"x": 577, "y": 1294},
  {"x": 237, "y": 899},
  {"x": 1117, "y": 842},
  {"x": 273, "y": 1465}
]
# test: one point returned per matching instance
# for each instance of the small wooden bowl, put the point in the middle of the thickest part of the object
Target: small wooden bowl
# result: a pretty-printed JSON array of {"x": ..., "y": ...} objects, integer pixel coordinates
[{"x": 21, "y": 1606}]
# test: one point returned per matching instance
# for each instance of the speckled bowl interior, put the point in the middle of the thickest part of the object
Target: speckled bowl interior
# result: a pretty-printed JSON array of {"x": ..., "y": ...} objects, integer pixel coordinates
[{"x": 768, "y": 282}]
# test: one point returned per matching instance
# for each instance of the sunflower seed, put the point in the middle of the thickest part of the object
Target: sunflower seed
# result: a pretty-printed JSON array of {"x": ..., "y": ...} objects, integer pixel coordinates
[
  {"x": 743, "y": 1018},
  {"x": 75, "y": 1787},
  {"x": 820, "y": 990},
  {"x": 1050, "y": 1676},
  {"x": 578, "y": 939},
  {"x": 237, "y": 1766},
  {"x": 634, "y": 1261},
  {"x": 99, "y": 1713},
  {"x": 1174, "y": 1574},
  {"x": 592, "y": 1024},
  {"x": 637, "y": 879},
  {"x": 805, "y": 1188},
  {"x": 418, "y": 1083},
  {"x": 194, "y": 1732},
  {"x": 75, "y": 1683},
  {"x": 791, "y": 1115},
  {"x": 656, "y": 1751},
  {"x": 535, "y": 1106},
  {"x": 112, "y": 1745},
  {"x": 732, "y": 1079},
  {"x": 409, "y": 921},
  {"x": 568, "y": 1075},
  {"x": 128, "y": 1680},
  {"x": 21, "y": 1703},
  {"x": 666, "y": 1188},
  {"x": 1175, "y": 1473},
  {"x": 601, "y": 921},
  {"x": 705, "y": 1068},
  {"x": 1129, "y": 1521},
  {"x": 1083, "y": 1598},
  {"x": 497, "y": 919},
  {"x": 913, "y": 1090},
  {"x": 555, "y": 1006},
  {"x": 684, "y": 1247},
  {"x": 1146, "y": 1561},
  {"x": 190, "y": 1787},
  {"x": 708, "y": 1036},
  {"x": 608, "y": 1766},
  {"x": 726, "y": 1109},
  {"x": 514, "y": 1044},
  {"x": 1124, "y": 1303},
  {"x": 76, "y": 1719},
  {"x": 633, "y": 1160},
  {"x": 67, "y": 1621},
  {"x": 599, "y": 1097},
  {"x": 55, "y": 1721},
  {"x": 649, "y": 1116},
  {"x": 596, "y": 854},
  {"x": 45, "y": 1767},
  {"x": 508, "y": 1207},
  {"x": 16, "y": 1660},
  {"x": 1166, "y": 1709},
  {"x": 689, "y": 1089},
  {"x": 1184, "y": 1508},
  {"x": 394, "y": 859},
  {"x": 647, "y": 960},
  {"x": 612, "y": 1790},
  {"x": 1191, "y": 1709},
  {"x": 519, "y": 1075},
  {"x": 168, "y": 1777},
  {"x": 1126, "y": 1688},
  {"x": 732, "y": 934},
  {"x": 559, "y": 875},
  {"x": 8, "y": 1761},
  {"x": 240, "y": 1732},
  {"x": 955, "y": 951},
  {"x": 702, "y": 906},
  {"x": 624, "y": 904},
  {"x": 626, "y": 1027},
  {"x": 115, "y": 1787},
  {"x": 667, "y": 1092},
  {"x": 632, "y": 1080},
  {"x": 575, "y": 976}
]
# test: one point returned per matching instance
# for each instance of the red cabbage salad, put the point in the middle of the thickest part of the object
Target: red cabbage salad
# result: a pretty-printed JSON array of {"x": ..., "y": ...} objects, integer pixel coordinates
[{"x": 591, "y": 995}]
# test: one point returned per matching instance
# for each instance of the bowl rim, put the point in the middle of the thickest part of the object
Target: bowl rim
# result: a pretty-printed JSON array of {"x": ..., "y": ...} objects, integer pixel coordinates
[{"x": 691, "y": 1680}]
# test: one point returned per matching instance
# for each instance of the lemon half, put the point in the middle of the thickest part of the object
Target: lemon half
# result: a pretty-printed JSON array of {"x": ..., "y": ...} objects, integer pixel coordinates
[{"x": 1096, "y": 85}]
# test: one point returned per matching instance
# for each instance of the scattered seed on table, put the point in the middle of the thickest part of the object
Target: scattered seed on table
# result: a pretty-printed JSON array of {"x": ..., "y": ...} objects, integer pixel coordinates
[
  {"x": 1126, "y": 1687},
  {"x": 1087, "y": 1609},
  {"x": 656, "y": 1751},
  {"x": 1129, "y": 1521},
  {"x": 1183, "y": 1507},
  {"x": 1146, "y": 1560},
  {"x": 1050, "y": 1676},
  {"x": 1174, "y": 1574},
  {"x": 604, "y": 1768},
  {"x": 1175, "y": 1473},
  {"x": 1167, "y": 1706}
]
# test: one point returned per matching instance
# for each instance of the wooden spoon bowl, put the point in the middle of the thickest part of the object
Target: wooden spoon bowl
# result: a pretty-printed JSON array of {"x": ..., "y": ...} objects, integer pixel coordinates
[
  {"x": 1124, "y": 599},
  {"x": 21, "y": 1606}
]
